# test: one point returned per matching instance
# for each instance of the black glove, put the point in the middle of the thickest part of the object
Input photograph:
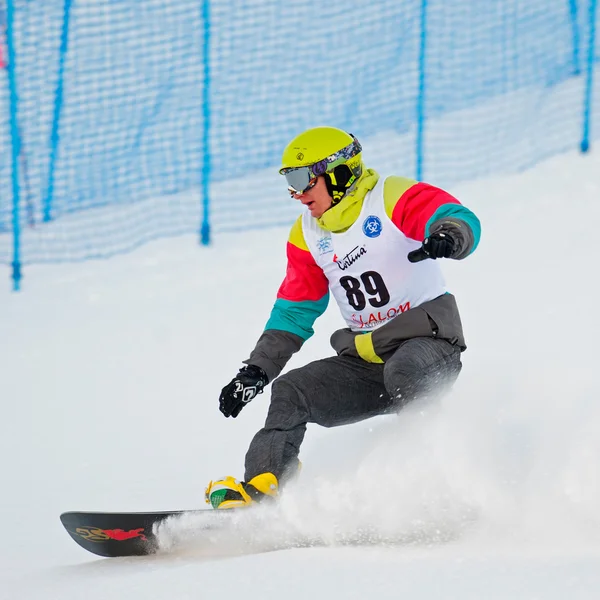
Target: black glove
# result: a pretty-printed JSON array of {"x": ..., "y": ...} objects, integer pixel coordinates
[
  {"x": 438, "y": 245},
  {"x": 243, "y": 387}
]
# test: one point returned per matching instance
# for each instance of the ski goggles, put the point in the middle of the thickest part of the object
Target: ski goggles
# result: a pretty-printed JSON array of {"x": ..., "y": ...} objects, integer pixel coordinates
[{"x": 302, "y": 179}]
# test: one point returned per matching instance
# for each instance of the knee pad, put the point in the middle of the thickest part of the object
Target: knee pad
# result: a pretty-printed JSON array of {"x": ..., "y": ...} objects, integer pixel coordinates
[
  {"x": 405, "y": 384},
  {"x": 287, "y": 394},
  {"x": 402, "y": 386}
]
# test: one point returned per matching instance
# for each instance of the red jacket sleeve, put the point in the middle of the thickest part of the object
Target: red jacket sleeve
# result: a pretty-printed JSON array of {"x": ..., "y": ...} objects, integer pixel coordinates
[{"x": 417, "y": 206}]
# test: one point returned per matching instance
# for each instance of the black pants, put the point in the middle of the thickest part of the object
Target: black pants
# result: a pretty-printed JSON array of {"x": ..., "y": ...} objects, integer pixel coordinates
[{"x": 341, "y": 390}]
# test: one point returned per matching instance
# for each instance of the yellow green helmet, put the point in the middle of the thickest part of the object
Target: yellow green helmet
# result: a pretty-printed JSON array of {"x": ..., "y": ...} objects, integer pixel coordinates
[{"x": 324, "y": 151}]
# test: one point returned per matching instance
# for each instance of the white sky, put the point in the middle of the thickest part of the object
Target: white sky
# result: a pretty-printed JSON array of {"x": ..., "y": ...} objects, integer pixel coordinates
[{"x": 111, "y": 372}]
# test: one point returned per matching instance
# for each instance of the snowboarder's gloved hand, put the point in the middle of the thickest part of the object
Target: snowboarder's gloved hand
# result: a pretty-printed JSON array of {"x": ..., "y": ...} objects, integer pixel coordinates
[
  {"x": 439, "y": 244},
  {"x": 243, "y": 387}
]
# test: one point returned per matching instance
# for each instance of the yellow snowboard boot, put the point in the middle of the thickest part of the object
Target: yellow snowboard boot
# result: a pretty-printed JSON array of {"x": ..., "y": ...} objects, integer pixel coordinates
[{"x": 231, "y": 493}]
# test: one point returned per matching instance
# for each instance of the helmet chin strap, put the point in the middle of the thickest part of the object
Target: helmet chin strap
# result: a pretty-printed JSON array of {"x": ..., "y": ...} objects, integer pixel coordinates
[{"x": 337, "y": 182}]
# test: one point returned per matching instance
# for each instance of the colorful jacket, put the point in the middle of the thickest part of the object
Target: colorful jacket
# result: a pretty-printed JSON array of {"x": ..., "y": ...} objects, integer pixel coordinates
[{"x": 417, "y": 209}]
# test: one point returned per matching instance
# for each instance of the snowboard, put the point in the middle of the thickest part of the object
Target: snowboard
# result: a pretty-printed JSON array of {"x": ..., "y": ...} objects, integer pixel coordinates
[{"x": 114, "y": 534}]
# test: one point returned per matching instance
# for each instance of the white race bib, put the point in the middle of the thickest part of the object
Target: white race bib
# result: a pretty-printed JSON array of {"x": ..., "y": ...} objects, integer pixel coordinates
[{"x": 367, "y": 267}]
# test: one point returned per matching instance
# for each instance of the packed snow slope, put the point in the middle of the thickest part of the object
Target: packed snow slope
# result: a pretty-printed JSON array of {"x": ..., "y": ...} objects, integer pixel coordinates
[{"x": 111, "y": 372}]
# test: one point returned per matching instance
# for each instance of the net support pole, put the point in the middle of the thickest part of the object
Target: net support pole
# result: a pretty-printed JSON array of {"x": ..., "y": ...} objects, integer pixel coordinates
[
  {"x": 574, "y": 12},
  {"x": 420, "y": 142},
  {"x": 206, "y": 113},
  {"x": 58, "y": 105},
  {"x": 589, "y": 78},
  {"x": 15, "y": 138}
]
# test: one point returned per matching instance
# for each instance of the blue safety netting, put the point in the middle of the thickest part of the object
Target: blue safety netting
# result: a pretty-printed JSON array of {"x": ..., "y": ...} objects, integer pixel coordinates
[{"x": 146, "y": 119}]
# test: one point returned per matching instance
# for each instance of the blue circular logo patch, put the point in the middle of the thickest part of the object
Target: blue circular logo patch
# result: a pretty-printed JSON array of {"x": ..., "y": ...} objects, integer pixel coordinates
[{"x": 372, "y": 226}]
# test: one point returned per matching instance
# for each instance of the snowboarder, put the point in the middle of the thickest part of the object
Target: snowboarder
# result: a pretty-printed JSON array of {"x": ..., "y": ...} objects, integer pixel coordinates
[{"x": 365, "y": 239}]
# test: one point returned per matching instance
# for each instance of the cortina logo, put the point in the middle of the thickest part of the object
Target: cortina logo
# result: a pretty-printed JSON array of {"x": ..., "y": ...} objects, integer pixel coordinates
[
  {"x": 372, "y": 226},
  {"x": 350, "y": 258}
]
